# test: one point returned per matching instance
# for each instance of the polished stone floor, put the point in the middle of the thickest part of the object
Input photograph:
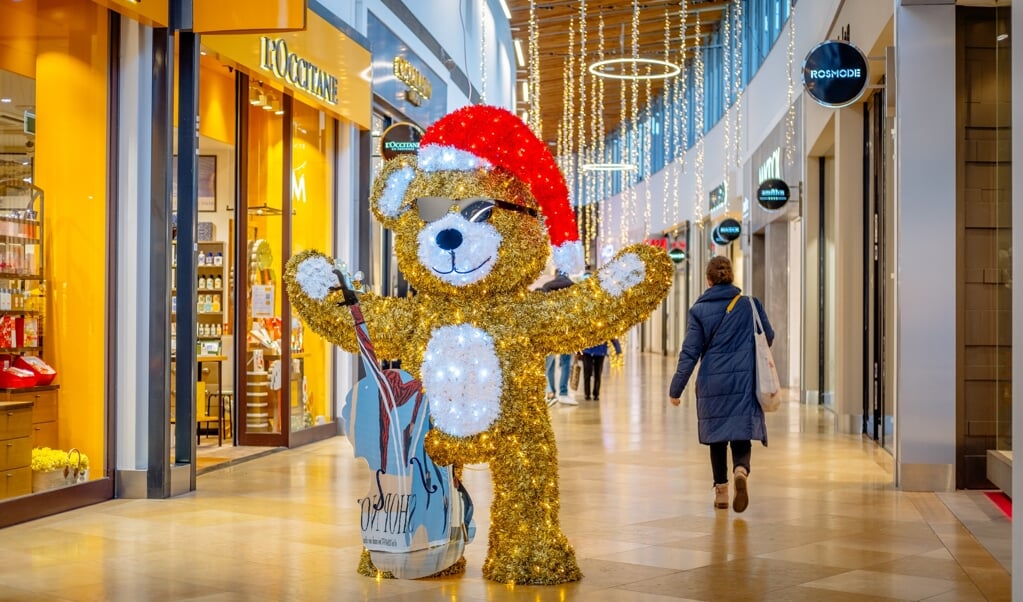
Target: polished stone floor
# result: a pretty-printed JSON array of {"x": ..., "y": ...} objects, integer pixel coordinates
[{"x": 824, "y": 523}]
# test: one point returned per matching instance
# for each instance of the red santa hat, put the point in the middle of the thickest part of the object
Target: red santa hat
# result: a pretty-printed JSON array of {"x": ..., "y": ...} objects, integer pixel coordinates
[{"x": 484, "y": 137}]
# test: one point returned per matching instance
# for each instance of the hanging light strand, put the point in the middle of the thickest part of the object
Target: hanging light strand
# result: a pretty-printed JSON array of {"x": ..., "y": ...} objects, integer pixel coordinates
[
  {"x": 569, "y": 122},
  {"x": 633, "y": 120},
  {"x": 726, "y": 90},
  {"x": 739, "y": 87},
  {"x": 584, "y": 184},
  {"x": 483, "y": 51},
  {"x": 680, "y": 115},
  {"x": 699, "y": 94},
  {"x": 790, "y": 117},
  {"x": 534, "y": 72},
  {"x": 667, "y": 130},
  {"x": 604, "y": 178}
]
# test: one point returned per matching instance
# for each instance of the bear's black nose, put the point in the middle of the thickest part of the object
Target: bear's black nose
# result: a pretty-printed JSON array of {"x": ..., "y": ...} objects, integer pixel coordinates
[{"x": 449, "y": 239}]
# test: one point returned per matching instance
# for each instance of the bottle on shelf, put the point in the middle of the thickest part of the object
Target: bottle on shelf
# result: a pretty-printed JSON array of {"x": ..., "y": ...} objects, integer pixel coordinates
[
  {"x": 216, "y": 303},
  {"x": 217, "y": 282},
  {"x": 202, "y": 258}
]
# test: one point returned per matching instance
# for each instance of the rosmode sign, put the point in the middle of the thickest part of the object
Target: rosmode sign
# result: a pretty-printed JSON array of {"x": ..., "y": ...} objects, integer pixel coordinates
[
  {"x": 835, "y": 73},
  {"x": 275, "y": 57}
]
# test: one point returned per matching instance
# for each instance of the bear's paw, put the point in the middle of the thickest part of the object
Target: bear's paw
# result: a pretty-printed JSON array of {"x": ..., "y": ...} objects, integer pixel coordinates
[
  {"x": 316, "y": 277},
  {"x": 622, "y": 274}
]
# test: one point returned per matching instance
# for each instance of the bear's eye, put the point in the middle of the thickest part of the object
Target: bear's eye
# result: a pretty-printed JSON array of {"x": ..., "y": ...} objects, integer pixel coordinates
[{"x": 432, "y": 208}]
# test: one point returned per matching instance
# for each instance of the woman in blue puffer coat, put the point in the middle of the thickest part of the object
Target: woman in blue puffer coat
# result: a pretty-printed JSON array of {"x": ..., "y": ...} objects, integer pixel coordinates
[{"x": 720, "y": 336}]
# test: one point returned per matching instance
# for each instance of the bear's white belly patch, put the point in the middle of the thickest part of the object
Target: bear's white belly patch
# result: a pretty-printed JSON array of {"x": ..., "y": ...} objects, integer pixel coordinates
[{"x": 462, "y": 378}]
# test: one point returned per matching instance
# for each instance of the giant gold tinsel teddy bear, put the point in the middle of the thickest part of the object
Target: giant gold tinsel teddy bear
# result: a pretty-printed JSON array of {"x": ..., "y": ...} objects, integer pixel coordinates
[{"x": 473, "y": 212}]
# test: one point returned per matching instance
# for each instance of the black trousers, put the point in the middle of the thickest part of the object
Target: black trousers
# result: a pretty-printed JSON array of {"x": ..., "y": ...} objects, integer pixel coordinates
[
  {"x": 741, "y": 452},
  {"x": 593, "y": 365}
]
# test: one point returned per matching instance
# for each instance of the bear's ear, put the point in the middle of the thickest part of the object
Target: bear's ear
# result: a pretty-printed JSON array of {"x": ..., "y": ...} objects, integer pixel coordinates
[{"x": 388, "y": 196}]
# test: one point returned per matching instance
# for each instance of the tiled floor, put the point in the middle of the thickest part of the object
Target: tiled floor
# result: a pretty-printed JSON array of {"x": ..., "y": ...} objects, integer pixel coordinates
[{"x": 824, "y": 523}]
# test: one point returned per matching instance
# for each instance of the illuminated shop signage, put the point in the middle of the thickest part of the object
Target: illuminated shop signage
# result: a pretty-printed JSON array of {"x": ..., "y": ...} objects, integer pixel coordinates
[
  {"x": 401, "y": 79},
  {"x": 773, "y": 193},
  {"x": 728, "y": 230},
  {"x": 676, "y": 248},
  {"x": 419, "y": 85},
  {"x": 296, "y": 70},
  {"x": 400, "y": 139},
  {"x": 717, "y": 198},
  {"x": 835, "y": 73}
]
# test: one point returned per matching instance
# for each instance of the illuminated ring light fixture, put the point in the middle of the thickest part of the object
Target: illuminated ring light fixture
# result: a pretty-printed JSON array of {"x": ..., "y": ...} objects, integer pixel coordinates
[
  {"x": 609, "y": 167},
  {"x": 669, "y": 69}
]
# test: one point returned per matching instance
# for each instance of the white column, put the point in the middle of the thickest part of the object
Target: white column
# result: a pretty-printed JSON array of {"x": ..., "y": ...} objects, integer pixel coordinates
[
  {"x": 134, "y": 130},
  {"x": 925, "y": 429},
  {"x": 846, "y": 241}
]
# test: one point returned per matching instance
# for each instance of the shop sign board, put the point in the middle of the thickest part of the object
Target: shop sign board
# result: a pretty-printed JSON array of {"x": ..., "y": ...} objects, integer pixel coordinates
[
  {"x": 322, "y": 65},
  {"x": 295, "y": 69},
  {"x": 835, "y": 73},
  {"x": 400, "y": 139},
  {"x": 403, "y": 80},
  {"x": 716, "y": 237},
  {"x": 677, "y": 255},
  {"x": 242, "y": 16},
  {"x": 773, "y": 193},
  {"x": 419, "y": 87},
  {"x": 728, "y": 230},
  {"x": 717, "y": 198}
]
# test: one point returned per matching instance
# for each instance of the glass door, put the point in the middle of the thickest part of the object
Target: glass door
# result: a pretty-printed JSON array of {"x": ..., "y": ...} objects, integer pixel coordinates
[{"x": 264, "y": 223}]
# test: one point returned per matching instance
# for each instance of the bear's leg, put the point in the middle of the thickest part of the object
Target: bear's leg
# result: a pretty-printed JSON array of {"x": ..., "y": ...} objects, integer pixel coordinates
[{"x": 526, "y": 542}]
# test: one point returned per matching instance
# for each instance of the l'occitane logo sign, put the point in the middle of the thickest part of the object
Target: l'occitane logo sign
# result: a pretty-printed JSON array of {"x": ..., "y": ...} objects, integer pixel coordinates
[
  {"x": 413, "y": 78},
  {"x": 296, "y": 70}
]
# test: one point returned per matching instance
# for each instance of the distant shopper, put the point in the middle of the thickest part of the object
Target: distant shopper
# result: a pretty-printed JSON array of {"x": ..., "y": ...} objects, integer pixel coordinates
[
  {"x": 593, "y": 367},
  {"x": 720, "y": 336},
  {"x": 559, "y": 393}
]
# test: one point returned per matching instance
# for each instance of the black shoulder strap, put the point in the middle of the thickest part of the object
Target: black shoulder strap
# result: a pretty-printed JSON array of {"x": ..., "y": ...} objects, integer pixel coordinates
[{"x": 728, "y": 310}]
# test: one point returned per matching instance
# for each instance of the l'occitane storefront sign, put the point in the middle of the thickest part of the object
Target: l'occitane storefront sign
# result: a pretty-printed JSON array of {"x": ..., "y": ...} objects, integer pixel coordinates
[
  {"x": 321, "y": 65},
  {"x": 276, "y": 58}
]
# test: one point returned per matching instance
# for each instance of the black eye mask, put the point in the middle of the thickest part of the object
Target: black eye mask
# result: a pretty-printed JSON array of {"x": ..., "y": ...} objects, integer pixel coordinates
[{"x": 477, "y": 209}]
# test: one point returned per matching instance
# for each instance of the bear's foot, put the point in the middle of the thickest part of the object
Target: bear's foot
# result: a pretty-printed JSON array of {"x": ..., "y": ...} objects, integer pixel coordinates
[
  {"x": 367, "y": 569},
  {"x": 533, "y": 564}
]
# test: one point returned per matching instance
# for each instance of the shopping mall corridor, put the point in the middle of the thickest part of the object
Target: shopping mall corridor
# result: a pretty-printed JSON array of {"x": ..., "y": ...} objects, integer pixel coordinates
[{"x": 824, "y": 523}]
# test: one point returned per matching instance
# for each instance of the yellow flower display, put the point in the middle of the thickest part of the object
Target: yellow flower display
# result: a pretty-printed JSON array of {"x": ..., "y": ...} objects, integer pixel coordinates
[{"x": 45, "y": 459}]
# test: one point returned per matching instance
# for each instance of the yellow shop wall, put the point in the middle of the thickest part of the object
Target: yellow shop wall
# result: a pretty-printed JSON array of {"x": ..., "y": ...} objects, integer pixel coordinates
[{"x": 71, "y": 167}]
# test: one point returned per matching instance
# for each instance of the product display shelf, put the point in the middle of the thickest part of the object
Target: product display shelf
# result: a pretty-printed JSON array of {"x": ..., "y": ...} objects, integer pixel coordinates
[
  {"x": 259, "y": 413},
  {"x": 211, "y": 299},
  {"x": 22, "y": 274}
]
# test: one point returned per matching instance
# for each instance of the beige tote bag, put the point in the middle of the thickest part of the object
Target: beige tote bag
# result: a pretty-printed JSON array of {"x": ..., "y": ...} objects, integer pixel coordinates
[{"x": 768, "y": 385}]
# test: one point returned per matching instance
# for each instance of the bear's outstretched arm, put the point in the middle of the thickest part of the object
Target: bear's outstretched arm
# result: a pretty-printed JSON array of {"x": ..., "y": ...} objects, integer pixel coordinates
[
  {"x": 622, "y": 293},
  {"x": 313, "y": 289}
]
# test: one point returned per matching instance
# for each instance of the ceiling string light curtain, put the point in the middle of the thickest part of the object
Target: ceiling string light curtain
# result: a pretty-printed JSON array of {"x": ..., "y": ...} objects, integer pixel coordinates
[
  {"x": 629, "y": 193},
  {"x": 603, "y": 178},
  {"x": 534, "y": 72},
  {"x": 726, "y": 95},
  {"x": 790, "y": 117},
  {"x": 699, "y": 96},
  {"x": 483, "y": 51},
  {"x": 680, "y": 116},
  {"x": 739, "y": 84}
]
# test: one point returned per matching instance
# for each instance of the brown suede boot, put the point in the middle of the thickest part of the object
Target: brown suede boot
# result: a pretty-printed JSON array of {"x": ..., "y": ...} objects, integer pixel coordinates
[
  {"x": 721, "y": 495},
  {"x": 741, "y": 490}
]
